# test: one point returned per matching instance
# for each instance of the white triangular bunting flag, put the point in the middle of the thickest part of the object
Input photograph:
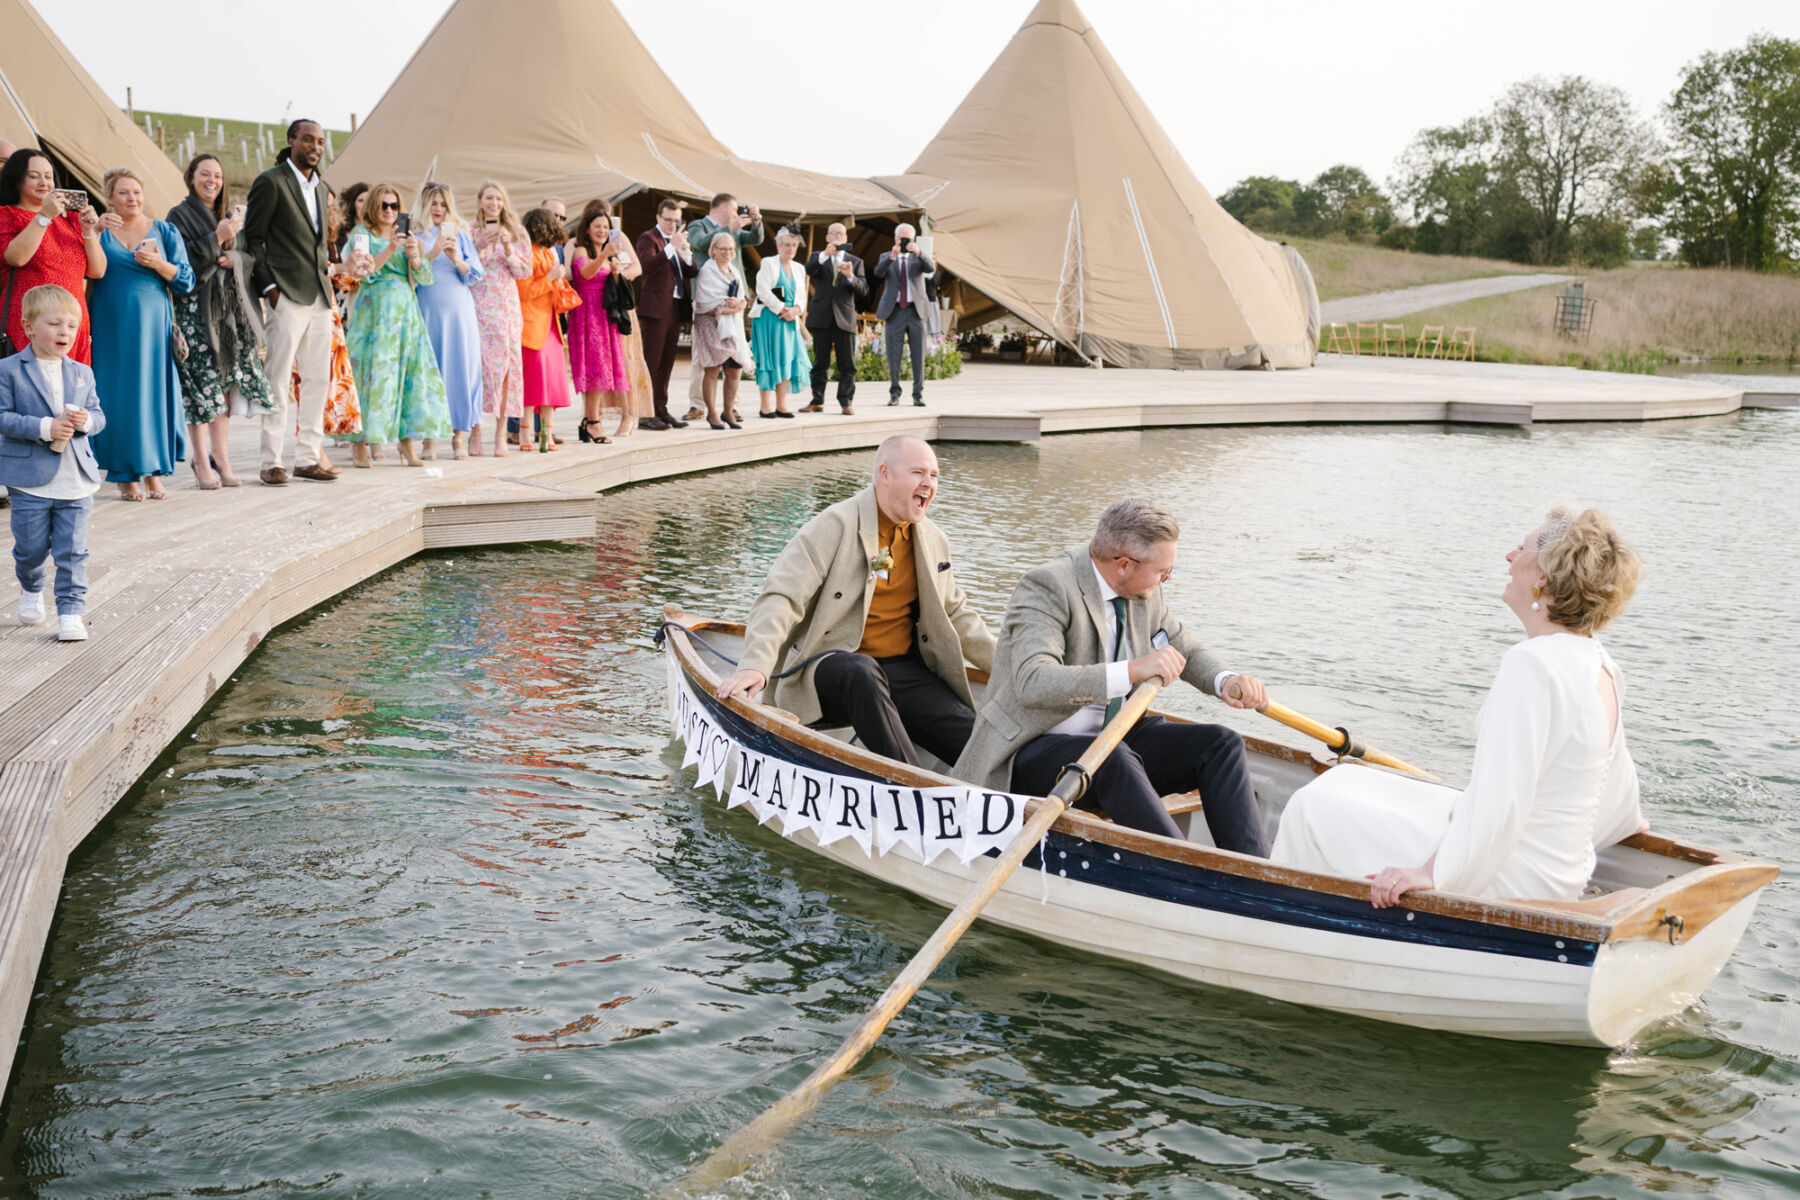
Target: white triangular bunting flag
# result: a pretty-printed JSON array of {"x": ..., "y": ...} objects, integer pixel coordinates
[
  {"x": 849, "y": 814},
  {"x": 806, "y": 809},
  {"x": 753, "y": 772},
  {"x": 943, "y": 822},
  {"x": 989, "y": 820},
  {"x": 897, "y": 817}
]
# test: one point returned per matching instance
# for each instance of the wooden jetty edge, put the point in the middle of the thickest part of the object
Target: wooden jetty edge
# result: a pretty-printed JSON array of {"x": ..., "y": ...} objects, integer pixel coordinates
[{"x": 182, "y": 591}]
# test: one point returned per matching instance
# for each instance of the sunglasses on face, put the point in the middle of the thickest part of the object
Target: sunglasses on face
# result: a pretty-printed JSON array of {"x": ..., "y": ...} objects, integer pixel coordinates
[{"x": 390, "y": 206}]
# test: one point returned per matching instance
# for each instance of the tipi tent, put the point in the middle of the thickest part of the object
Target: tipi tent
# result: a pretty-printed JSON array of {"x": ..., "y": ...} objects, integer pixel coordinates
[
  {"x": 47, "y": 100},
  {"x": 1054, "y": 192},
  {"x": 459, "y": 114}
]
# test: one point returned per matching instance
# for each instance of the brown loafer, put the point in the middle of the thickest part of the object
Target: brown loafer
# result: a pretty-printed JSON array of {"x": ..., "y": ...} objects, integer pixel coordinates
[
  {"x": 848, "y": 411},
  {"x": 274, "y": 477},
  {"x": 316, "y": 472}
]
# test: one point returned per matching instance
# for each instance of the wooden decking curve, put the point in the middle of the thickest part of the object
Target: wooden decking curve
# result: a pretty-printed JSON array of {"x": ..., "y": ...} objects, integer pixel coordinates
[{"x": 181, "y": 591}]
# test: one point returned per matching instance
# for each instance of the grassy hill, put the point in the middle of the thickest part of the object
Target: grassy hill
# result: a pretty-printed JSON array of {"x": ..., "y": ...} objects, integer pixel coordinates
[
  {"x": 1647, "y": 316},
  {"x": 237, "y": 149},
  {"x": 1350, "y": 269}
]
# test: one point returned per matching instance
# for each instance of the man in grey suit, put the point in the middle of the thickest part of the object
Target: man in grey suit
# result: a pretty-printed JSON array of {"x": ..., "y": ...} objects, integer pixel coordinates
[
  {"x": 903, "y": 306},
  {"x": 837, "y": 284},
  {"x": 1079, "y": 634},
  {"x": 285, "y": 234}
]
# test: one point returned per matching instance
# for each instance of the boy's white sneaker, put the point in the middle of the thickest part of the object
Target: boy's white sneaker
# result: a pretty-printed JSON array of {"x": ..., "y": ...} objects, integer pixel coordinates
[
  {"x": 70, "y": 628},
  {"x": 31, "y": 607}
]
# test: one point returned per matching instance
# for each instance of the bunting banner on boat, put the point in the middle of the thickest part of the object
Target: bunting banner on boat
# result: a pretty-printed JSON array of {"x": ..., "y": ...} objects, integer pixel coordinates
[{"x": 964, "y": 821}]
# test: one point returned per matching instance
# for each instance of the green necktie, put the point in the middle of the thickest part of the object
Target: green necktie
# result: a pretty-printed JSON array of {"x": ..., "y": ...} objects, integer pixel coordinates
[{"x": 1118, "y": 602}]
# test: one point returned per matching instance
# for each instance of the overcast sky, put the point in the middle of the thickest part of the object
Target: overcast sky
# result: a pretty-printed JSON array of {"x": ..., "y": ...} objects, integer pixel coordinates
[{"x": 1242, "y": 88}]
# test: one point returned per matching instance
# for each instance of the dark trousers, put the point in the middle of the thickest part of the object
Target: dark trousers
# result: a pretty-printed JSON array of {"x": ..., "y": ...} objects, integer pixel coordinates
[
  {"x": 826, "y": 342},
  {"x": 1158, "y": 758},
  {"x": 894, "y": 704},
  {"x": 905, "y": 325},
  {"x": 660, "y": 338}
]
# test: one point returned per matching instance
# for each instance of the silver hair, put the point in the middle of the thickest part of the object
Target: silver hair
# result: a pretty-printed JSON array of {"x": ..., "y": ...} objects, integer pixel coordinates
[
  {"x": 730, "y": 240},
  {"x": 1133, "y": 527},
  {"x": 788, "y": 232}
]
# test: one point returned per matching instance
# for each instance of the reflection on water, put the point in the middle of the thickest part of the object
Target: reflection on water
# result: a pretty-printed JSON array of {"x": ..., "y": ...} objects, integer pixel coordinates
[{"x": 422, "y": 902}]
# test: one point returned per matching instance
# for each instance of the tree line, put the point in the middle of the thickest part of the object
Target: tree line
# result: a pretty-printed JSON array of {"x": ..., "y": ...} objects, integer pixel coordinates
[{"x": 1565, "y": 171}]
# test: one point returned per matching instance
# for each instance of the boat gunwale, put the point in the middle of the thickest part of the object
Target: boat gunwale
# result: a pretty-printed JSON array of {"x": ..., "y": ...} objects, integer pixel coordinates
[{"x": 1723, "y": 876}]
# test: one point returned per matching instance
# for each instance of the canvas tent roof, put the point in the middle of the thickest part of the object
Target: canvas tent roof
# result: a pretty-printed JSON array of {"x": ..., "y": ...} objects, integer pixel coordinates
[
  {"x": 47, "y": 100},
  {"x": 459, "y": 113},
  {"x": 1053, "y": 190}
]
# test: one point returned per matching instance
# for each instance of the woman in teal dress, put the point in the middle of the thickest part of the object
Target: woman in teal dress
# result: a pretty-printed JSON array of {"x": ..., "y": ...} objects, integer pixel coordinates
[
  {"x": 396, "y": 369},
  {"x": 782, "y": 365},
  {"x": 133, "y": 320}
]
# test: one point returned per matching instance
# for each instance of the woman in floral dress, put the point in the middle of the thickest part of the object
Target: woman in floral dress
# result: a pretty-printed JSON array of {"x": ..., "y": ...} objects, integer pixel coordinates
[
  {"x": 505, "y": 259},
  {"x": 397, "y": 377},
  {"x": 222, "y": 334}
]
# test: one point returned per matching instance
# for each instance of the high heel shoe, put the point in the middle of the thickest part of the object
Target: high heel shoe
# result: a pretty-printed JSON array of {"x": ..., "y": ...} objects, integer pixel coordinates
[
  {"x": 409, "y": 455},
  {"x": 598, "y": 438},
  {"x": 359, "y": 455},
  {"x": 205, "y": 485}
]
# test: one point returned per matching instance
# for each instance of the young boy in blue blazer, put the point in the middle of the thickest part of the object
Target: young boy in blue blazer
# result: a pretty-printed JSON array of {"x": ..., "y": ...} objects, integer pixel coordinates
[{"x": 49, "y": 413}]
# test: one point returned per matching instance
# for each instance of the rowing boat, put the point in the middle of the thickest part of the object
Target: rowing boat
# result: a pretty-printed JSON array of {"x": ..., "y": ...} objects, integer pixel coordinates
[{"x": 1658, "y": 920}]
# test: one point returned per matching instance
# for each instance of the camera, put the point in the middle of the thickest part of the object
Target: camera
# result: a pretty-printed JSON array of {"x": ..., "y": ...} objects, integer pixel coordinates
[
  {"x": 906, "y": 245},
  {"x": 402, "y": 224},
  {"x": 743, "y": 210}
]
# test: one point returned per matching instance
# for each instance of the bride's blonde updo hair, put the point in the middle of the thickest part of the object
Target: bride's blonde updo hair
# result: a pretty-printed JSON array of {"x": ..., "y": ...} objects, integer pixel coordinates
[{"x": 1589, "y": 571}]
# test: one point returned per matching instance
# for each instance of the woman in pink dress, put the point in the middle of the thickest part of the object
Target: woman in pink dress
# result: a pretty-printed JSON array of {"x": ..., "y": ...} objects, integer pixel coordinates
[
  {"x": 596, "y": 350},
  {"x": 506, "y": 258}
]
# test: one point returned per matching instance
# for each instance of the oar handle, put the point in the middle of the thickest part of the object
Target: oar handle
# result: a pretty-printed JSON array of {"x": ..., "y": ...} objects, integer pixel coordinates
[
  {"x": 756, "y": 1139},
  {"x": 1337, "y": 738}
]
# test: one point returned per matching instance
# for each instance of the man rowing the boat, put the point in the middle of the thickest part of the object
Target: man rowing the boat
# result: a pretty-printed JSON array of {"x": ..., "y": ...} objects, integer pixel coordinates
[
  {"x": 1079, "y": 634},
  {"x": 870, "y": 576}
]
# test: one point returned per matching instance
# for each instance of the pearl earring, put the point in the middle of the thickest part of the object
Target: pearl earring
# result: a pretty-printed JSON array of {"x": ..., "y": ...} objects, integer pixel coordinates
[{"x": 1535, "y": 591}]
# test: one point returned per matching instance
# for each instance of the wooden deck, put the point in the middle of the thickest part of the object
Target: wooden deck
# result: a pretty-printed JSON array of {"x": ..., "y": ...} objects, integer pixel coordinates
[{"x": 181, "y": 591}]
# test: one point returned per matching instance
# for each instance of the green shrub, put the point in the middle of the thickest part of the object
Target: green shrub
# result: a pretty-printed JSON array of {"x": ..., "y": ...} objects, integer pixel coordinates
[{"x": 941, "y": 362}]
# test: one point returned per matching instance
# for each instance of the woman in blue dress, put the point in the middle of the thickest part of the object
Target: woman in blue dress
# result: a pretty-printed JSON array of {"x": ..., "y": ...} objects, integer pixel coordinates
[
  {"x": 133, "y": 321},
  {"x": 782, "y": 365},
  {"x": 396, "y": 370},
  {"x": 448, "y": 306}
]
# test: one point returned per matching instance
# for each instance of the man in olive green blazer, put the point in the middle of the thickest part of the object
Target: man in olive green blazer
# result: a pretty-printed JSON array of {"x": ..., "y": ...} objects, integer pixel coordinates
[
  {"x": 285, "y": 232},
  {"x": 847, "y": 583},
  {"x": 1066, "y": 656}
]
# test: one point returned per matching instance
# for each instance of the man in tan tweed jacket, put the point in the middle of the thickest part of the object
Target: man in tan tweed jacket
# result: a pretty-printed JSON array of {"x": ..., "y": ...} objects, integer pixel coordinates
[
  {"x": 1079, "y": 633},
  {"x": 871, "y": 575}
]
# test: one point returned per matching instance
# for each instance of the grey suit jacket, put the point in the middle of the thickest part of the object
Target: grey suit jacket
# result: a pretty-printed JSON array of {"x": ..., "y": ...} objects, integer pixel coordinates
[
  {"x": 917, "y": 268},
  {"x": 279, "y": 237},
  {"x": 26, "y": 460},
  {"x": 1052, "y": 658},
  {"x": 817, "y": 598}
]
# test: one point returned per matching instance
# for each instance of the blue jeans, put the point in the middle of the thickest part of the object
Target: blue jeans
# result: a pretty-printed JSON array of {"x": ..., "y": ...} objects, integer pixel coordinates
[{"x": 52, "y": 529}]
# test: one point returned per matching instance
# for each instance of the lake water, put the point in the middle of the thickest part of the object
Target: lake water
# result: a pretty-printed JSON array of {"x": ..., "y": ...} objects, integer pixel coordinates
[{"x": 422, "y": 903}]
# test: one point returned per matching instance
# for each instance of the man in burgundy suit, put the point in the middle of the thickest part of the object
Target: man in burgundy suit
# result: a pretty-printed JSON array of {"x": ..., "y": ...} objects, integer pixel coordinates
[{"x": 665, "y": 300}]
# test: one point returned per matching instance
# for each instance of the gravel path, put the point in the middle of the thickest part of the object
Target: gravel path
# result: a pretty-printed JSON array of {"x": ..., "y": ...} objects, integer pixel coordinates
[{"x": 1377, "y": 305}]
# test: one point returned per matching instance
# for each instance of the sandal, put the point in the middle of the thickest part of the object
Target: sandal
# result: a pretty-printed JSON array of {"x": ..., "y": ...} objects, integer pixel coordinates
[{"x": 597, "y": 438}]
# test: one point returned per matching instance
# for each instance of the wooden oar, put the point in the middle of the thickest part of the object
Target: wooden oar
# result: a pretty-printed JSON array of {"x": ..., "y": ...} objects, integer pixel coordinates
[
  {"x": 1338, "y": 739},
  {"x": 755, "y": 1140}
]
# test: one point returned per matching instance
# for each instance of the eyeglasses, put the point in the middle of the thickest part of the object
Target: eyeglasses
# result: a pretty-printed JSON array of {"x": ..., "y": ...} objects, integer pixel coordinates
[
  {"x": 1167, "y": 573},
  {"x": 390, "y": 206}
]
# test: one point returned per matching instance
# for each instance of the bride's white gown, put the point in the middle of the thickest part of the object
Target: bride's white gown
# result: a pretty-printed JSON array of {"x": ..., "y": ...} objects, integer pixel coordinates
[{"x": 1551, "y": 784}]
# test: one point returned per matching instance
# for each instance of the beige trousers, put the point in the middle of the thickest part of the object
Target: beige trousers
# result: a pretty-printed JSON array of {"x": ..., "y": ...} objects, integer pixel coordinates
[{"x": 298, "y": 336}]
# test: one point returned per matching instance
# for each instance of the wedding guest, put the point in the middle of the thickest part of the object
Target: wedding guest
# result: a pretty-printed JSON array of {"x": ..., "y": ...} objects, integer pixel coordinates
[
  {"x": 505, "y": 252},
  {"x": 44, "y": 244},
  {"x": 543, "y": 296},
  {"x": 665, "y": 304},
  {"x": 134, "y": 330},
  {"x": 448, "y": 306},
  {"x": 222, "y": 330},
  {"x": 746, "y": 229},
  {"x": 285, "y": 229},
  {"x": 782, "y": 366},
  {"x": 347, "y": 213},
  {"x": 343, "y": 411},
  {"x": 596, "y": 348},
  {"x": 905, "y": 308},
  {"x": 720, "y": 348},
  {"x": 837, "y": 285},
  {"x": 49, "y": 412},
  {"x": 397, "y": 379}
]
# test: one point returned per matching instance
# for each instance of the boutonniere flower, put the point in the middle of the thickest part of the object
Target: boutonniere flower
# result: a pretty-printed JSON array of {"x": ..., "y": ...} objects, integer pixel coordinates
[{"x": 881, "y": 563}]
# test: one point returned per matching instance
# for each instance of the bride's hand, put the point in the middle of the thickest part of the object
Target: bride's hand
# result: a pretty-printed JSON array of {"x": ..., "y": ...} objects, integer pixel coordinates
[{"x": 1391, "y": 883}]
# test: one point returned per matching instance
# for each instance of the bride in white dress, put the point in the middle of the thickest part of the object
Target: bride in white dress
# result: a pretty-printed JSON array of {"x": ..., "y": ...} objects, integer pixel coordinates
[{"x": 1552, "y": 782}]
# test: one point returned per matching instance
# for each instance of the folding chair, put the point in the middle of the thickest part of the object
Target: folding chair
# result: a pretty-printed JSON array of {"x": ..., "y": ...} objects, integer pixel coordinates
[
  {"x": 1462, "y": 343},
  {"x": 1393, "y": 340},
  {"x": 1432, "y": 337},
  {"x": 1368, "y": 333},
  {"x": 1339, "y": 342}
]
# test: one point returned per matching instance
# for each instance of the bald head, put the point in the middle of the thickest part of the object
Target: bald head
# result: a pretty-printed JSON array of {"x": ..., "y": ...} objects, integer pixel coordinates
[
  {"x": 7, "y": 150},
  {"x": 906, "y": 479}
]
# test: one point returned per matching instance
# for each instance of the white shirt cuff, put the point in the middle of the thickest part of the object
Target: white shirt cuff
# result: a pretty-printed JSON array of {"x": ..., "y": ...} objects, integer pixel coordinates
[
  {"x": 1219, "y": 682},
  {"x": 1118, "y": 679},
  {"x": 44, "y": 428}
]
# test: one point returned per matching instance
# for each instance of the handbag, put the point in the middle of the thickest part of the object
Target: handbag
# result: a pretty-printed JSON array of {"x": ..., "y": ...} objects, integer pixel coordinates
[
  {"x": 178, "y": 345},
  {"x": 563, "y": 298},
  {"x": 7, "y": 349}
]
